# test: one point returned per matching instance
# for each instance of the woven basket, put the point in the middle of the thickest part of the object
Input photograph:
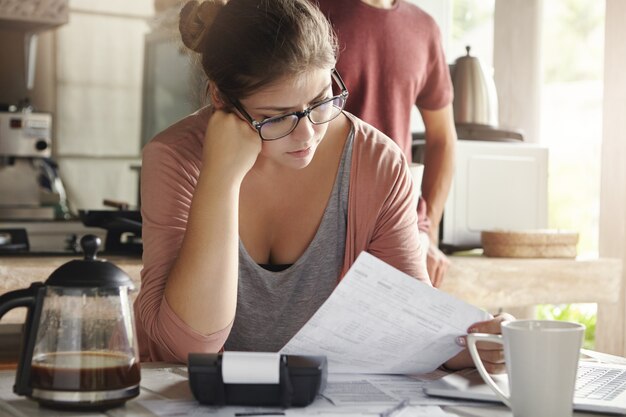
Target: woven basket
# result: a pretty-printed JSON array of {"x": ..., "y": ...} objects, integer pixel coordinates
[{"x": 529, "y": 243}]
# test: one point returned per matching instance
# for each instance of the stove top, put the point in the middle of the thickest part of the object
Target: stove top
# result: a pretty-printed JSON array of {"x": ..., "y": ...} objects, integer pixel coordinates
[{"x": 56, "y": 238}]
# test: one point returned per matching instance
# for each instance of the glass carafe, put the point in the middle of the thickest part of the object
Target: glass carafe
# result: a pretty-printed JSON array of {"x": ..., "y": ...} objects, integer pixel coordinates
[{"x": 80, "y": 349}]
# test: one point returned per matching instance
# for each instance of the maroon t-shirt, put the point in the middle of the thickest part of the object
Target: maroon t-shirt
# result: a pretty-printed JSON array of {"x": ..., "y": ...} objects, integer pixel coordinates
[{"x": 390, "y": 59}]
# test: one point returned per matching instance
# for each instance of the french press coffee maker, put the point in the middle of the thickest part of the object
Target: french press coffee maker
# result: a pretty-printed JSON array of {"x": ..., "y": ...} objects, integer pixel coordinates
[{"x": 79, "y": 349}]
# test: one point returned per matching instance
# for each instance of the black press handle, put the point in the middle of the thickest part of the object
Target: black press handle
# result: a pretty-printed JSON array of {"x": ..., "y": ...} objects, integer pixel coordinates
[
  {"x": 32, "y": 299},
  {"x": 18, "y": 298}
]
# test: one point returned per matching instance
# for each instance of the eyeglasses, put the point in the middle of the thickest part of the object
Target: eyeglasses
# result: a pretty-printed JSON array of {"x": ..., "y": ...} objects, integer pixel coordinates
[{"x": 280, "y": 126}]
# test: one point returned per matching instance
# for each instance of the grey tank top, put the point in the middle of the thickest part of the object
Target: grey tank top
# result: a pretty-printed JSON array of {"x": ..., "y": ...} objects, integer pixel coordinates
[{"x": 273, "y": 306}]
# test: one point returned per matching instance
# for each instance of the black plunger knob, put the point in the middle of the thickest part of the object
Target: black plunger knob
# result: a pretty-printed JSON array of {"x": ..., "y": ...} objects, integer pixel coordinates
[
  {"x": 90, "y": 245},
  {"x": 89, "y": 272}
]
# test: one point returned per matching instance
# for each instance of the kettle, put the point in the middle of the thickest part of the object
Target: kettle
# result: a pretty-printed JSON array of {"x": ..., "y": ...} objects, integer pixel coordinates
[
  {"x": 475, "y": 103},
  {"x": 79, "y": 349},
  {"x": 475, "y": 97}
]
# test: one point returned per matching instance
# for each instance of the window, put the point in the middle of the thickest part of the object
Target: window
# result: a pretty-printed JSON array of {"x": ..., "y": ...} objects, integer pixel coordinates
[
  {"x": 472, "y": 26},
  {"x": 571, "y": 127},
  {"x": 572, "y": 43},
  {"x": 571, "y": 114}
]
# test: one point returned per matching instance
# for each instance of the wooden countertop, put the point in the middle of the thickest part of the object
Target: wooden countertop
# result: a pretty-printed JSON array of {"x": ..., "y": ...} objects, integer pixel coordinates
[
  {"x": 489, "y": 283},
  {"x": 18, "y": 272},
  {"x": 516, "y": 282}
]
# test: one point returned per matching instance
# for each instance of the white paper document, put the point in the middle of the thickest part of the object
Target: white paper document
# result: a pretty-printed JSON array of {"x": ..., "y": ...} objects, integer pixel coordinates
[
  {"x": 380, "y": 320},
  {"x": 362, "y": 390}
]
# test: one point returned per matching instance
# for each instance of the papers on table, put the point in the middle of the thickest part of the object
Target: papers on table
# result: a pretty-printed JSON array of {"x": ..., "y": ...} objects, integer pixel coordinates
[
  {"x": 344, "y": 392},
  {"x": 361, "y": 390},
  {"x": 166, "y": 393},
  {"x": 377, "y": 321},
  {"x": 380, "y": 320}
]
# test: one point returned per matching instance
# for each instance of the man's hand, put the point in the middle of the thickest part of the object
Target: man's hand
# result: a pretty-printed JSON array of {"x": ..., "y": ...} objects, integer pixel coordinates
[{"x": 437, "y": 264}]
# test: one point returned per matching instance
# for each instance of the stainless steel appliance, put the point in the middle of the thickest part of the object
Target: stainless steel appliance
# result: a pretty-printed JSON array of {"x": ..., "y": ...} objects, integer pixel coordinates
[
  {"x": 476, "y": 102},
  {"x": 25, "y": 134},
  {"x": 44, "y": 237},
  {"x": 30, "y": 187},
  {"x": 119, "y": 229}
]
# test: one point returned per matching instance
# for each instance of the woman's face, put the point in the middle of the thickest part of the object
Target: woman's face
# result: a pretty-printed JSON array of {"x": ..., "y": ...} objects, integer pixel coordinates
[{"x": 287, "y": 95}]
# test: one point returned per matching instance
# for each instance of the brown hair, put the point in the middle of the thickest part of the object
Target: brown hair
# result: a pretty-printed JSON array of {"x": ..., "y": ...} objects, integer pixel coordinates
[{"x": 247, "y": 44}]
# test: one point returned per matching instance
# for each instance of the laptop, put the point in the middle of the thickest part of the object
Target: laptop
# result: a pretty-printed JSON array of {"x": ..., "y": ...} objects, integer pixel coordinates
[{"x": 600, "y": 388}]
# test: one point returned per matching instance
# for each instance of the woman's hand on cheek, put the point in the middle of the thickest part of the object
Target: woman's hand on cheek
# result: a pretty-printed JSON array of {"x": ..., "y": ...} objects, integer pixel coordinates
[{"x": 231, "y": 145}]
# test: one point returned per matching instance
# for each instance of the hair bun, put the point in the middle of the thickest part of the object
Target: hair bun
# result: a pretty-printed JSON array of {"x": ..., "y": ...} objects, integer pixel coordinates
[{"x": 195, "y": 20}]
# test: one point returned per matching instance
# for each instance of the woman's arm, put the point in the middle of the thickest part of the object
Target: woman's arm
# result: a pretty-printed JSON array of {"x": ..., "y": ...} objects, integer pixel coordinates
[
  {"x": 202, "y": 286},
  {"x": 173, "y": 180}
]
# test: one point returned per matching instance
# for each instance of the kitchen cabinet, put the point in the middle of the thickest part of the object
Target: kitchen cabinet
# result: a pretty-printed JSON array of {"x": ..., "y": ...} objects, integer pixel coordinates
[{"x": 33, "y": 16}]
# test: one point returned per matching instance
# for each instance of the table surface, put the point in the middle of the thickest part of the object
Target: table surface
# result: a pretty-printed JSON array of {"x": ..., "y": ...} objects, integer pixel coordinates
[{"x": 155, "y": 385}]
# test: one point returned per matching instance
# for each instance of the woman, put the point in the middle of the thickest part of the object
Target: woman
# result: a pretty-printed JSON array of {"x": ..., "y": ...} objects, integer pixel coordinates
[{"x": 254, "y": 208}]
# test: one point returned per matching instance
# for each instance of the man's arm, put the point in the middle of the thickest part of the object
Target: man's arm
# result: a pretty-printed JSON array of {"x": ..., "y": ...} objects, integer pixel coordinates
[{"x": 438, "y": 163}]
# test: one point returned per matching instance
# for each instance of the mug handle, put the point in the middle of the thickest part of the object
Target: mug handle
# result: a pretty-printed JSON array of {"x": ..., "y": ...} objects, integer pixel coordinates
[{"x": 472, "y": 338}]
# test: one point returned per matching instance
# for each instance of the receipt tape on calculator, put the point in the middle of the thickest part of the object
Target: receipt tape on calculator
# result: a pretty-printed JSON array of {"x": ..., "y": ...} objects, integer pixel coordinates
[{"x": 251, "y": 367}]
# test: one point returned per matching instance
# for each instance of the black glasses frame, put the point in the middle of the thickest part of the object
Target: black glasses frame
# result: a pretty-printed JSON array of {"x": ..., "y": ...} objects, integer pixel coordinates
[{"x": 300, "y": 114}]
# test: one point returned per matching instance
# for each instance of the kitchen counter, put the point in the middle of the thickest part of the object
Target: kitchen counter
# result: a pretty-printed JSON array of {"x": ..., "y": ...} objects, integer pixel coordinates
[
  {"x": 20, "y": 271},
  {"x": 165, "y": 387},
  {"x": 490, "y": 283},
  {"x": 494, "y": 283}
]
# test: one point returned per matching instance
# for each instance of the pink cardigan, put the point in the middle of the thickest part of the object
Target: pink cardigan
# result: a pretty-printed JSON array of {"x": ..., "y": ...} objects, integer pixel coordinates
[{"x": 382, "y": 220}]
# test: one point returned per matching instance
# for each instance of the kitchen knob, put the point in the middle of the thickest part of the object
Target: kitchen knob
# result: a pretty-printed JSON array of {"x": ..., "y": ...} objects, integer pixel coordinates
[{"x": 41, "y": 145}]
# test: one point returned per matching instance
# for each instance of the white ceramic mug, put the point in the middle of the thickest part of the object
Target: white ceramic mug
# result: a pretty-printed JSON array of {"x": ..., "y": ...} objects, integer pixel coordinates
[{"x": 542, "y": 362}]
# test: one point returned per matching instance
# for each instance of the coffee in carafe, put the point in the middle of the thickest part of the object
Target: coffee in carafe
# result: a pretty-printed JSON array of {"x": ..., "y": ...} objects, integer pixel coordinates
[
  {"x": 84, "y": 371},
  {"x": 79, "y": 349}
]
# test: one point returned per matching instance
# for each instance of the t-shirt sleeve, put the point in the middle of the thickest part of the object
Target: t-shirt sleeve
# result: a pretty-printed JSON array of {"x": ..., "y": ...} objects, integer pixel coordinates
[
  {"x": 436, "y": 93},
  {"x": 168, "y": 179}
]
